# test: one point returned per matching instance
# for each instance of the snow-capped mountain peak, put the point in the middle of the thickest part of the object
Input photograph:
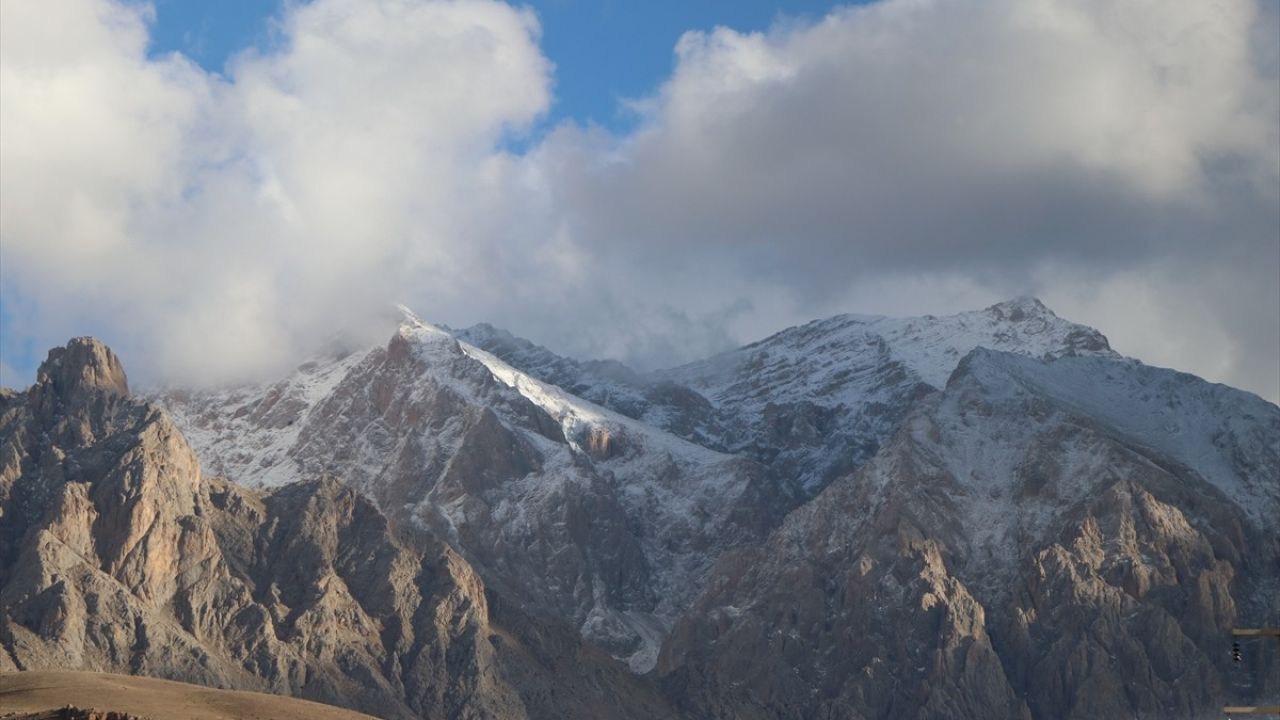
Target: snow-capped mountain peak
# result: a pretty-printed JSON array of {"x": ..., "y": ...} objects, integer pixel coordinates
[
  {"x": 603, "y": 496},
  {"x": 518, "y": 473}
]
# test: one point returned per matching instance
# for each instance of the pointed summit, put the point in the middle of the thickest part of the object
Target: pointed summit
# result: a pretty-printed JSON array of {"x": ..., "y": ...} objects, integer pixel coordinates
[
  {"x": 406, "y": 315},
  {"x": 1028, "y": 314},
  {"x": 84, "y": 365},
  {"x": 1019, "y": 308}
]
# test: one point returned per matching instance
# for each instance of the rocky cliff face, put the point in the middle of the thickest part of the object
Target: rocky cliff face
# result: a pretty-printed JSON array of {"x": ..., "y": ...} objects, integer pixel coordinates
[
  {"x": 622, "y": 499},
  {"x": 117, "y": 555},
  {"x": 608, "y": 513},
  {"x": 584, "y": 514},
  {"x": 816, "y": 401},
  {"x": 990, "y": 514},
  {"x": 812, "y": 402},
  {"x": 1037, "y": 541},
  {"x": 651, "y": 399}
]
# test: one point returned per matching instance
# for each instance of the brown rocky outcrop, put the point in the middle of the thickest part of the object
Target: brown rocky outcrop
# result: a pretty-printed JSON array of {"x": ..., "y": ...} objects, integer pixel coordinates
[
  {"x": 573, "y": 511},
  {"x": 1007, "y": 556},
  {"x": 117, "y": 555},
  {"x": 1060, "y": 532}
]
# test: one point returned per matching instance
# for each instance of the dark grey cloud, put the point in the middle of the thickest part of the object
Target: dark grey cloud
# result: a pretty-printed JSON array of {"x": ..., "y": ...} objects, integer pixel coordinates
[{"x": 1046, "y": 147}]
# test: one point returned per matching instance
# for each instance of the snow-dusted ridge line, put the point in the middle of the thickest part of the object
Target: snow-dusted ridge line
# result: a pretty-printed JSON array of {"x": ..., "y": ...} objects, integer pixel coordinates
[
  {"x": 928, "y": 346},
  {"x": 264, "y": 462},
  {"x": 1203, "y": 426},
  {"x": 362, "y": 418},
  {"x": 575, "y": 413},
  {"x": 572, "y": 412},
  {"x": 709, "y": 483},
  {"x": 408, "y": 418}
]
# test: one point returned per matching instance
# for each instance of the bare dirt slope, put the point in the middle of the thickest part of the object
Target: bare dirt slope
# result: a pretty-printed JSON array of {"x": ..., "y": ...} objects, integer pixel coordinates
[{"x": 32, "y": 694}]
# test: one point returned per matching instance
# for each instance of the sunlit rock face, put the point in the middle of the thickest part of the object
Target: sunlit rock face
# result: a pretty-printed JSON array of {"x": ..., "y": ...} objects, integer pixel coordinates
[
  {"x": 116, "y": 554},
  {"x": 1038, "y": 540},
  {"x": 990, "y": 514},
  {"x": 586, "y": 515}
]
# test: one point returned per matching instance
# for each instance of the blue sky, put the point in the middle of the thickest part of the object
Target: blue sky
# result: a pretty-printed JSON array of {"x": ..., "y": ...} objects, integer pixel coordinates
[{"x": 604, "y": 50}]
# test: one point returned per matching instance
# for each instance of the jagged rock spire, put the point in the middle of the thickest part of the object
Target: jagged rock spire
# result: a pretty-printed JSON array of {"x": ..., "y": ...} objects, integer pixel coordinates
[{"x": 85, "y": 364}]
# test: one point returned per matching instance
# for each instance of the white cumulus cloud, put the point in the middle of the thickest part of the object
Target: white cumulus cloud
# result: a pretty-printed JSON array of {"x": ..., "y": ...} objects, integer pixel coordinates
[
  {"x": 217, "y": 225},
  {"x": 1053, "y": 147},
  {"x": 1119, "y": 158}
]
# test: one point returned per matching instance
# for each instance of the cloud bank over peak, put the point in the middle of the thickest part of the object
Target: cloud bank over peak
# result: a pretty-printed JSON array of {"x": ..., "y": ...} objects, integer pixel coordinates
[
  {"x": 224, "y": 223},
  {"x": 936, "y": 136},
  {"x": 1120, "y": 160}
]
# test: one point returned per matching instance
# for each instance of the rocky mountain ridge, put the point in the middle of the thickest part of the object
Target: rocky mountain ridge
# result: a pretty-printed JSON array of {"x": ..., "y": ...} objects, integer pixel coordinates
[
  {"x": 590, "y": 516},
  {"x": 1015, "y": 551},
  {"x": 670, "y": 475},
  {"x": 990, "y": 514},
  {"x": 118, "y": 554},
  {"x": 812, "y": 401}
]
